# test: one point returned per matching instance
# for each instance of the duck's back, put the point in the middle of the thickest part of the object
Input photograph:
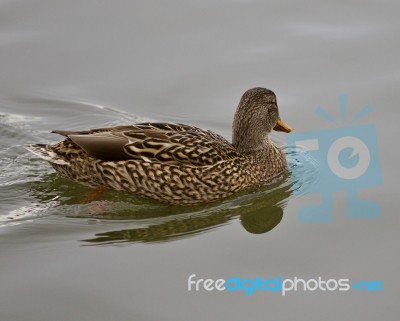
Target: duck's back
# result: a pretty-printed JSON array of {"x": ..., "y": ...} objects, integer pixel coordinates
[
  {"x": 178, "y": 144},
  {"x": 150, "y": 142}
]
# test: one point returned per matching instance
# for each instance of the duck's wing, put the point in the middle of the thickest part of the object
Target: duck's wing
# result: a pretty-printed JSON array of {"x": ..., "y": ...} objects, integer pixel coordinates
[{"x": 155, "y": 142}]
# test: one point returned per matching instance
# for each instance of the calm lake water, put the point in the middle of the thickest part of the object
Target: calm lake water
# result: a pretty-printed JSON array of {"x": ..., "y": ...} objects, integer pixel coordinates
[{"x": 68, "y": 254}]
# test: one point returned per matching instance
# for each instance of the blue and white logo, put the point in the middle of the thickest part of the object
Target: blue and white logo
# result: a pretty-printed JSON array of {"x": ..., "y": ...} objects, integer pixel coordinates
[{"x": 347, "y": 158}]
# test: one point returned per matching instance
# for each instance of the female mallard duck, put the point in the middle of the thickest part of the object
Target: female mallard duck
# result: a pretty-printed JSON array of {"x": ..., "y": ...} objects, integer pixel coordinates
[{"x": 176, "y": 163}]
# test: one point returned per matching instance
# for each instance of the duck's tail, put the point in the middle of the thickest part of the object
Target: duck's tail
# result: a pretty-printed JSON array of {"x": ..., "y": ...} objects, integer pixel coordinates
[{"x": 47, "y": 153}]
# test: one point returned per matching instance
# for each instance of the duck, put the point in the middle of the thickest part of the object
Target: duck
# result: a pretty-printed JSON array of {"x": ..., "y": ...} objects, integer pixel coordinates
[{"x": 176, "y": 163}]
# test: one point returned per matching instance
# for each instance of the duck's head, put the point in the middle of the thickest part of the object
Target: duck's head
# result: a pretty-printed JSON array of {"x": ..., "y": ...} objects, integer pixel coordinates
[{"x": 256, "y": 116}]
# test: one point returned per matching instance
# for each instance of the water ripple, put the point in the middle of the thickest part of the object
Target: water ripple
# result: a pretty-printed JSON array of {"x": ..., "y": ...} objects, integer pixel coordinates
[{"x": 303, "y": 168}]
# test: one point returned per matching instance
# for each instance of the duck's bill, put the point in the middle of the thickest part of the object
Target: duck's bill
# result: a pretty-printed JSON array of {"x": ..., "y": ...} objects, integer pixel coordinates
[{"x": 282, "y": 127}]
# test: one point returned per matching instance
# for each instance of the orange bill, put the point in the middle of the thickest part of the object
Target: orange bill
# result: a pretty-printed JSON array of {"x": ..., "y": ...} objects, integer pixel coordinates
[{"x": 282, "y": 127}]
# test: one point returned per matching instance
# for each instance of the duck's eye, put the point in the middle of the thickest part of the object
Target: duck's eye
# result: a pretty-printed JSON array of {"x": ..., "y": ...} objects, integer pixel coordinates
[{"x": 272, "y": 110}]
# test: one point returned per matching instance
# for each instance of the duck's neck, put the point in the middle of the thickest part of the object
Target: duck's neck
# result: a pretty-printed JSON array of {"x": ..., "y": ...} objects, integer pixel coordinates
[
  {"x": 249, "y": 132},
  {"x": 249, "y": 140}
]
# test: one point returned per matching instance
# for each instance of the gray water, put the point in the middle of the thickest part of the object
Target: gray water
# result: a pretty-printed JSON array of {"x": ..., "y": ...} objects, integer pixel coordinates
[{"x": 69, "y": 254}]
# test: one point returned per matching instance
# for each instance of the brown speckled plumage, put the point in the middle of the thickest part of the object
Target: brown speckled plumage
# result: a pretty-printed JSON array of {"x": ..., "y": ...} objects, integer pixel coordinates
[{"x": 175, "y": 163}]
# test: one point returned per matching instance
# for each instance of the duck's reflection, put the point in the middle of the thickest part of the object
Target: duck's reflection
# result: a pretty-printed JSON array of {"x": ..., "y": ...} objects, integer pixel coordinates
[{"x": 258, "y": 212}]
